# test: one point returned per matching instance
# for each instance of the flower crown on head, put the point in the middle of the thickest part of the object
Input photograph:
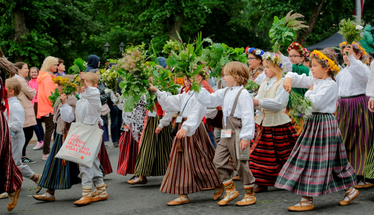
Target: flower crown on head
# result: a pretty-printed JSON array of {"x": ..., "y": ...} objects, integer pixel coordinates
[
  {"x": 299, "y": 48},
  {"x": 355, "y": 46},
  {"x": 257, "y": 52},
  {"x": 273, "y": 58},
  {"x": 325, "y": 61}
]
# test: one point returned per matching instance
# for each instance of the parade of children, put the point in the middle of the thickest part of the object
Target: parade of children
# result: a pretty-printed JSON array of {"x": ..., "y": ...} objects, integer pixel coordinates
[{"x": 239, "y": 131}]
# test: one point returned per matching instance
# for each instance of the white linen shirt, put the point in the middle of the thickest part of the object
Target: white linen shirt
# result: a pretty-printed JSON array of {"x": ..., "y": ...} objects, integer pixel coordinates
[
  {"x": 88, "y": 108},
  {"x": 277, "y": 103},
  {"x": 193, "y": 111},
  {"x": 243, "y": 111},
  {"x": 370, "y": 85},
  {"x": 67, "y": 114},
  {"x": 324, "y": 94},
  {"x": 353, "y": 79}
]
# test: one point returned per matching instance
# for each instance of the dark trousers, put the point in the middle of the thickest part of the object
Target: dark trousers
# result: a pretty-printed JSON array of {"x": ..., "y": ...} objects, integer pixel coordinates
[
  {"x": 116, "y": 121},
  {"x": 29, "y": 132},
  {"x": 49, "y": 128},
  {"x": 38, "y": 129}
]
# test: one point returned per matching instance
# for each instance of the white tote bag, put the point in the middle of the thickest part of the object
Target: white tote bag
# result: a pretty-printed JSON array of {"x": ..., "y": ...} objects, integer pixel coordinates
[{"x": 82, "y": 144}]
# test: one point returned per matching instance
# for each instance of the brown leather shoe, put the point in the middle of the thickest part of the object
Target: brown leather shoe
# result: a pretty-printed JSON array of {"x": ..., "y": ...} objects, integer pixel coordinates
[
  {"x": 236, "y": 178},
  {"x": 138, "y": 180},
  {"x": 182, "y": 199},
  {"x": 364, "y": 185},
  {"x": 344, "y": 203},
  {"x": 100, "y": 197},
  {"x": 218, "y": 193},
  {"x": 209, "y": 188},
  {"x": 44, "y": 198},
  {"x": 229, "y": 196},
  {"x": 247, "y": 200},
  {"x": 301, "y": 207},
  {"x": 260, "y": 189},
  {"x": 85, "y": 200},
  {"x": 13, "y": 199}
]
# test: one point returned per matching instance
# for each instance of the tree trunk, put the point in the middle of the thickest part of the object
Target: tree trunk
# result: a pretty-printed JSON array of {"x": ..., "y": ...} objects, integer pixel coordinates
[
  {"x": 176, "y": 26},
  {"x": 301, "y": 36},
  {"x": 20, "y": 30}
]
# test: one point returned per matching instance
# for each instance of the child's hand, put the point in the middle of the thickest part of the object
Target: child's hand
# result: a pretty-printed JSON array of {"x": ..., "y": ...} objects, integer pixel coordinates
[
  {"x": 255, "y": 102},
  {"x": 82, "y": 76},
  {"x": 181, "y": 133},
  {"x": 63, "y": 98},
  {"x": 311, "y": 88},
  {"x": 158, "y": 130},
  {"x": 371, "y": 105},
  {"x": 287, "y": 84},
  {"x": 152, "y": 88},
  {"x": 244, "y": 144},
  {"x": 349, "y": 50}
]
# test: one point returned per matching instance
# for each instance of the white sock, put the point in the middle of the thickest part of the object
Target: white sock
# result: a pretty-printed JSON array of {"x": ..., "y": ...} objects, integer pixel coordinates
[
  {"x": 350, "y": 193},
  {"x": 47, "y": 195},
  {"x": 305, "y": 202},
  {"x": 363, "y": 183}
]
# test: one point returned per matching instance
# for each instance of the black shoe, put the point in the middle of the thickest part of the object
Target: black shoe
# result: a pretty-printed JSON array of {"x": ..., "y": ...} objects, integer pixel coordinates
[
  {"x": 26, "y": 160},
  {"x": 115, "y": 144}
]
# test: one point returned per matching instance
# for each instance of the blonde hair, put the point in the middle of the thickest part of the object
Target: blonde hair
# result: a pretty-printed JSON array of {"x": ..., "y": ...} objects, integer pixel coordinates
[
  {"x": 275, "y": 69},
  {"x": 48, "y": 62},
  {"x": 238, "y": 71},
  {"x": 13, "y": 84},
  {"x": 92, "y": 77}
]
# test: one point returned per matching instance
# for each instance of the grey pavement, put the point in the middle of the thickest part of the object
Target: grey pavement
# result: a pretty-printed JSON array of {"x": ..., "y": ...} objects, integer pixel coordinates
[{"x": 147, "y": 199}]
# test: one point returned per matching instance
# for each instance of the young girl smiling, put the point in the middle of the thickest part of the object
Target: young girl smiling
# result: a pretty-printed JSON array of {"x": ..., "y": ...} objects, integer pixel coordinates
[{"x": 318, "y": 163}]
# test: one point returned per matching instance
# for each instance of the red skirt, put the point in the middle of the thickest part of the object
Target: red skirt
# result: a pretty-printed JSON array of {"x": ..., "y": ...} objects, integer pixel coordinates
[
  {"x": 104, "y": 159},
  {"x": 128, "y": 153},
  {"x": 272, "y": 151},
  {"x": 10, "y": 175}
]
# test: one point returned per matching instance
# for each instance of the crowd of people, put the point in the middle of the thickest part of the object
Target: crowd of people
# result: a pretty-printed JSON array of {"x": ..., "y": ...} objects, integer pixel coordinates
[{"x": 201, "y": 140}]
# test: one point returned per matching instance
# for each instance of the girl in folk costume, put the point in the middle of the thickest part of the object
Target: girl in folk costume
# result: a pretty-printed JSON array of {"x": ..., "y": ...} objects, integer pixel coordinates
[
  {"x": 11, "y": 177},
  {"x": 318, "y": 163},
  {"x": 59, "y": 174},
  {"x": 276, "y": 135},
  {"x": 256, "y": 67},
  {"x": 237, "y": 107},
  {"x": 369, "y": 164},
  {"x": 356, "y": 122},
  {"x": 133, "y": 124},
  {"x": 190, "y": 168}
]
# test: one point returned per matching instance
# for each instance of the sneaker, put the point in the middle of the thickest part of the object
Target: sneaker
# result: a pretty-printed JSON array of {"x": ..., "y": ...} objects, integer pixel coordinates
[
  {"x": 45, "y": 157},
  {"x": 26, "y": 160},
  {"x": 115, "y": 144},
  {"x": 39, "y": 145}
]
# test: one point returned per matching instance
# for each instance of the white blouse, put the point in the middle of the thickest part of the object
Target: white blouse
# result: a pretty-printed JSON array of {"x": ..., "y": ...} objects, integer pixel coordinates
[
  {"x": 67, "y": 114},
  {"x": 165, "y": 121},
  {"x": 370, "y": 85},
  {"x": 88, "y": 108},
  {"x": 277, "y": 103},
  {"x": 353, "y": 79},
  {"x": 192, "y": 110},
  {"x": 16, "y": 115},
  {"x": 324, "y": 94},
  {"x": 243, "y": 111}
]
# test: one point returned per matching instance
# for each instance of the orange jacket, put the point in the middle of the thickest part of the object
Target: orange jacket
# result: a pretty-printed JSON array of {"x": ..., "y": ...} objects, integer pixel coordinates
[{"x": 45, "y": 89}]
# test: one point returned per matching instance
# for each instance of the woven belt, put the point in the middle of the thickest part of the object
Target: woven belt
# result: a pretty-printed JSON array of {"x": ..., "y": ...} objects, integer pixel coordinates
[{"x": 347, "y": 97}]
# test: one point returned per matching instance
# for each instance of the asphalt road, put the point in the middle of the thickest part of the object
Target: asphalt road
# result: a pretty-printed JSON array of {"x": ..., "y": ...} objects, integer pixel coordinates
[{"x": 147, "y": 199}]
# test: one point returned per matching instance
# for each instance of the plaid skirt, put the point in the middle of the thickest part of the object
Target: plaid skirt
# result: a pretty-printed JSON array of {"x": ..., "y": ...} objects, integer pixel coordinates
[
  {"x": 10, "y": 175},
  {"x": 318, "y": 163},
  {"x": 356, "y": 124},
  {"x": 154, "y": 149},
  {"x": 59, "y": 174},
  {"x": 191, "y": 165},
  {"x": 128, "y": 152},
  {"x": 272, "y": 151}
]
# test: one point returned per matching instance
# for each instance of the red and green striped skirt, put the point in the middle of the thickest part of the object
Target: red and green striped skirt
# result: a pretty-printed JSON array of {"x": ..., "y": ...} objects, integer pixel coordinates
[
  {"x": 318, "y": 163},
  {"x": 356, "y": 124},
  {"x": 271, "y": 152}
]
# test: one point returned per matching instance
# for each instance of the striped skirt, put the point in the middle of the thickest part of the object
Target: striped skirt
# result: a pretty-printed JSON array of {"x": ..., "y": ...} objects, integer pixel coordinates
[
  {"x": 154, "y": 150},
  {"x": 369, "y": 165},
  {"x": 57, "y": 173},
  {"x": 272, "y": 151},
  {"x": 191, "y": 165},
  {"x": 104, "y": 159},
  {"x": 318, "y": 163},
  {"x": 356, "y": 123},
  {"x": 10, "y": 175},
  {"x": 128, "y": 152}
]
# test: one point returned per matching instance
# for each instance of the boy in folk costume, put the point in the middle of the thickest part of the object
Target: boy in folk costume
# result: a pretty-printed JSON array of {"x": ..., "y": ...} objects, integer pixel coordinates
[
  {"x": 88, "y": 110},
  {"x": 318, "y": 163},
  {"x": 57, "y": 173},
  {"x": 237, "y": 107},
  {"x": 355, "y": 120},
  {"x": 190, "y": 167},
  {"x": 276, "y": 135}
]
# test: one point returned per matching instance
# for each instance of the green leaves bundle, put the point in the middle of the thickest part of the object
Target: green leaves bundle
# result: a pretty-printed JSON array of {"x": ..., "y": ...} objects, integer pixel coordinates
[
  {"x": 54, "y": 97},
  {"x": 350, "y": 30},
  {"x": 251, "y": 86},
  {"x": 109, "y": 77},
  {"x": 283, "y": 31},
  {"x": 79, "y": 65},
  {"x": 300, "y": 107}
]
